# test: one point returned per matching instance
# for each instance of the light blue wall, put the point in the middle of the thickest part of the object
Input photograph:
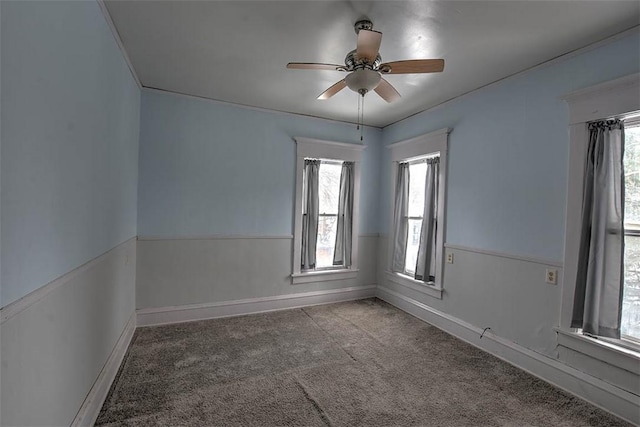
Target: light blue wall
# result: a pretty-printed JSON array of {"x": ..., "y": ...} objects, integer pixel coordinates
[
  {"x": 70, "y": 126},
  {"x": 209, "y": 168},
  {"x": 508, "y": 154}
]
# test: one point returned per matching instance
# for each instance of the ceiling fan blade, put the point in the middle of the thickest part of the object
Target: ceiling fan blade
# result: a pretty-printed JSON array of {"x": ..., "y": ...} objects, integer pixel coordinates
[
  {"x": 333, "y": 90},
  {"x": 368, "y": 45},
  {"x": 314, "y": 66},
  {"x": 386, "y": 91},
  {"x": 413, "y": 66}
]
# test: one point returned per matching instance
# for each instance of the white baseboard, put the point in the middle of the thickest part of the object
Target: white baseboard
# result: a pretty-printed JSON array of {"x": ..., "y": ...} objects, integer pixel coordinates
[
  {"x": 192, "y": 312},
  {"x": 91, "y": 406},
  {"x": 597, "y": 392}
]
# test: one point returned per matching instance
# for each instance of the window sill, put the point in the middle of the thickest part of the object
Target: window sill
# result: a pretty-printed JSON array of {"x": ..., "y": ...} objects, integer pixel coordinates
[
  {"x": 601, "y": 349},
  {"x": 324, "y": 275},
  {"x": 416, "y": 285}
]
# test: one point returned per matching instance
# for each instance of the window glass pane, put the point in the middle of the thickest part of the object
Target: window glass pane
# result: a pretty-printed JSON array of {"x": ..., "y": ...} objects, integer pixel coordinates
[
  {"x": 632, "y": 175},
  {"x": 630, "y": 322},
  {"x": 327, "y": 226},
  {"x": 329, "y": 187},
  {"x": 413, "y": 241},
  {"x": 417, "y": 175}
]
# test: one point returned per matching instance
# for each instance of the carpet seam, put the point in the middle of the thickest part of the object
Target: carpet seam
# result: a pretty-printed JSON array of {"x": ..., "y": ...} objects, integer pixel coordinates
[
  {"x": 370, "y": 335},
  {"x": 331, "y": 338},
  {"x": 359, "y": 328},
  {"x": 307, "y": 394}
]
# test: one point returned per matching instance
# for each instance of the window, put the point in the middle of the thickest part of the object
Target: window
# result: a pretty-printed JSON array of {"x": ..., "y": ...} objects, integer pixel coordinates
[
  {"x": 416, "y": 240},
  {"x": 630, "y": 319},
  {"x": 326, "y": 211},
  {"x": 614, "y": 99}
]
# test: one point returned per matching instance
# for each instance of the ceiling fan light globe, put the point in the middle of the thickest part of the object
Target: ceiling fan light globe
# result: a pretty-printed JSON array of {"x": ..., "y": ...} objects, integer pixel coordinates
[{"x": 365, "y": 79}]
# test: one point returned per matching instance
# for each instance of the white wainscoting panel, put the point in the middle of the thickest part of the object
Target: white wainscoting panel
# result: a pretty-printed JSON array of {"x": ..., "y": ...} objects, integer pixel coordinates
[
  {"x": 504, "y": 292},
  {"x": 177, "y": 272},
  {"x": 58, "y": 342}
]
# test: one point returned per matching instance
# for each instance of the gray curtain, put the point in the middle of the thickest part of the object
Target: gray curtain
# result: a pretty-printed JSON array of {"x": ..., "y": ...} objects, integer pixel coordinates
[
  {"x": 599, "y": 282},
  {"x": 400, "y": 224},
  {"x": 342, "y": 252},
  {"x": 310, "y": 208},
  {"x": 426, "y": 262}
]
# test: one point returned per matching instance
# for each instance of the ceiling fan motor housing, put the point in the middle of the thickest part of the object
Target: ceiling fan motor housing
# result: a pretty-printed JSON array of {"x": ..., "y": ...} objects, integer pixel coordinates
[
  {"x": 353, "y": 62},
  {"x": 363, "y": 80}
]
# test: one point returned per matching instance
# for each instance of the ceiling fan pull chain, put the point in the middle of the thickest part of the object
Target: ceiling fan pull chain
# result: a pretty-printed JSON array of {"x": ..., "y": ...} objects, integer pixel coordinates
[
  {"x": 358, "y": 119},
  {"x": 362, "y": 119}
]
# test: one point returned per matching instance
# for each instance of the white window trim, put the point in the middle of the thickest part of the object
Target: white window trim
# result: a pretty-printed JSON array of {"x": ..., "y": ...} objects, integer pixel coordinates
[
  {"x": 436, "y": 142},
  {"x": 319, "y": 149},
  {"x": 616, "y": 98}
]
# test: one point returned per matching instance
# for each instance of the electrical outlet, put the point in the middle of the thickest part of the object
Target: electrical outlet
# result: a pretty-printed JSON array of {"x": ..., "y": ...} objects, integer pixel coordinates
[
  {"x": 449, "y": 258},
  {"x": 551, "y": 276}
]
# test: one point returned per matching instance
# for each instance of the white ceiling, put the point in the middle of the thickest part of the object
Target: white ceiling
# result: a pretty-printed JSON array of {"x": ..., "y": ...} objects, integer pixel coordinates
[{"x": 236, "y": 51}]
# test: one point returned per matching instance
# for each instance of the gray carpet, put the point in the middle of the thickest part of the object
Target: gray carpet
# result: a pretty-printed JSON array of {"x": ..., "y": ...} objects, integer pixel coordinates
[{"x": 361, "y": 363}]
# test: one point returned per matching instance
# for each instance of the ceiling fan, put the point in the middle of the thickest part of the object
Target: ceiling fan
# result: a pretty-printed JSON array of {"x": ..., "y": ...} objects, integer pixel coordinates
[{"x": 365, "y": 66}]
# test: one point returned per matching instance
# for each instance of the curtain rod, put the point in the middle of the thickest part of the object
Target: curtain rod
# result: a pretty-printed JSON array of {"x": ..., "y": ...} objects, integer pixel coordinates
[
  {"x": 421, "y": 159},
  {"x": 326, "y": 161}
]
